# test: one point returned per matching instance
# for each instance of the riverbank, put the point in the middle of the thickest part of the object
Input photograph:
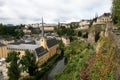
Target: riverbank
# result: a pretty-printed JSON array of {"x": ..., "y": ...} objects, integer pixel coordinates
[{"x": 59, "y": 67}]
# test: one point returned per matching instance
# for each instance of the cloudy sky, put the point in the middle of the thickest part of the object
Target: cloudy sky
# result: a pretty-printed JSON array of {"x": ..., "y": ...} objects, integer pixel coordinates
[{"x": 31, "y": 11}]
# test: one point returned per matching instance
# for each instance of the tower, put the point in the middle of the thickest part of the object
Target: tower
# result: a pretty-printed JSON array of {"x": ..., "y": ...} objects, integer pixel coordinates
[{"x": 42, "y": 39}]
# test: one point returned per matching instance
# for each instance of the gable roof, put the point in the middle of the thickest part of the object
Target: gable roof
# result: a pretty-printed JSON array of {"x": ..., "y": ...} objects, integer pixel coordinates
[
  {"x": 40, "y": 51},
  {"x": 51, "y": 42}
]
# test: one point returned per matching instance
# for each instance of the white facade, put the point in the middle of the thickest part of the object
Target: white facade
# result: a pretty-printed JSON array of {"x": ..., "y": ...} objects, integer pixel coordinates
[
  {"x": 66, "y": 40},
  {"x": 106, "y": 17},
  {"x": 84, "y": 24}
]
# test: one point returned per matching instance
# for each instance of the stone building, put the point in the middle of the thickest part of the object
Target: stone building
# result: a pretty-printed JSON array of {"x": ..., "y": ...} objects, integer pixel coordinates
[
  {"x": 26, "y": 31},
  {"x": 84, "y": 24},
  {"x": 47, "y": 27},
  {"x": 64, "y": 25},
  {"x": 103, "y": 19},
  {"x": 66, "y": 40}
]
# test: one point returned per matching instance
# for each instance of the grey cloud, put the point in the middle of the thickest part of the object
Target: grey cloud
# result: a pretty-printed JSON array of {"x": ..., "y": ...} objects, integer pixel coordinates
[
  {"x": 4, "y": 18},
  {"x": 2, "y": 2},
  {"x": 28, "y": 11}
]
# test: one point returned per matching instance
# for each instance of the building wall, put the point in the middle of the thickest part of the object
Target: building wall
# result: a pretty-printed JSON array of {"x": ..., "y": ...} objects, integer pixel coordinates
[
  {"x": 42, "y": 59},
  {"x": 22, "y": 52},
  {"x": 26, "y": 31},
  {"x": 103, "y": 20},
  {"x": 49, "y": 28},
  {"x": 43, "y": 43},
  {"x": 84, "y": 24},
  {"x": 52, "y": 51},
  {"x": 3, "y": 51},
  {"x": 66, "y": 41}
]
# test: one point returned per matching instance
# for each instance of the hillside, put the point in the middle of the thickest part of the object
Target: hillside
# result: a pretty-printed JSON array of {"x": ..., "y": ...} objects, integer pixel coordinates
[{"x": 85, "y": 63}]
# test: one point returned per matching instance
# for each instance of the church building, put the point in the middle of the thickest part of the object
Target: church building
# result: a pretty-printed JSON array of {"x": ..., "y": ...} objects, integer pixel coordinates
[{"x": 43, "y": 51}]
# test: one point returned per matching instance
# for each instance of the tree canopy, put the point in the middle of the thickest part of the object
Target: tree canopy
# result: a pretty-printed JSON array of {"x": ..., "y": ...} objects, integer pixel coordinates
[
  {"x": 10, "y": 32},
  {"x": 116, "y": 11},
  {"x": 28, "y": 62},
  {"x": 85, "y": 64},
  {"x": 13, "y": 68}
]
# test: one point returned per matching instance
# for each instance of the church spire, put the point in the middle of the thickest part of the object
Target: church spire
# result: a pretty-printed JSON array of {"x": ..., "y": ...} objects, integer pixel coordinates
[
  {"x": 42, "y": 39},
  {"x": 42, "y": 28}
]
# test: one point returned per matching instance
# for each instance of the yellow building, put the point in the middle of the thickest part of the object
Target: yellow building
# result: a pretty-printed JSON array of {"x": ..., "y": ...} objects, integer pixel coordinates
[
  {"x": 49, "y": 28},
  {"x": 3, "y": 50},
  {"x": 44, "y": 51},
  {"x": 47, "y": 50}
]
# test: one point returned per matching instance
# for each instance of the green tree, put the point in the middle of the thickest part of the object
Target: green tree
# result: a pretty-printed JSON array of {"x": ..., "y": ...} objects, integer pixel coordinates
[
  {"x": 97, "y": 36},
  {"x": 91, "y": 23},
  {"x": 70, "y": 32},
  {"x": 74, "y": 25},
  {"x": 116, "y": 11},
  {"x": 63, "y": 31},
  {"x": 29, "y": 64},
  {"x": 79, "y": 33},
  {"x": 13, "y": 69},
  {"x": 85, "y": 35},
  {"x": 76, "y": 56},
  {"x": 11, "y": 32}
]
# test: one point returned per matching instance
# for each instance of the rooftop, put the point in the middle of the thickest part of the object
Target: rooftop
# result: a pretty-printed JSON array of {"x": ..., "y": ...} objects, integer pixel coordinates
[
  {"x": 23, "y": 46},
  {"x": 22, "y": 42},
  {"x": 51, "y": 42},
  {"x": 40, "y": 51}
]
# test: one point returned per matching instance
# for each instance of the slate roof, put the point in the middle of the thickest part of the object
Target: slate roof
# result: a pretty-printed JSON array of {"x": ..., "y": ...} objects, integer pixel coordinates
[
  {"x": 32, "y": 42},
  {"x": 51, "y": 42},
  {"x": 23, "y": 42},
  {"x": 105, "y": 15},
  {"x": 17, "y": 43},
  {"x": 1, "y": 44},
  {"x": 22, "y": 46},
  {"x": 40, "y": 51}
]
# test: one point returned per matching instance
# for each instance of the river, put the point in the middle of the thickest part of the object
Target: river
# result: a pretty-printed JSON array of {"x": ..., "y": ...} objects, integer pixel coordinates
[{"x": 59, "y": 67}]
